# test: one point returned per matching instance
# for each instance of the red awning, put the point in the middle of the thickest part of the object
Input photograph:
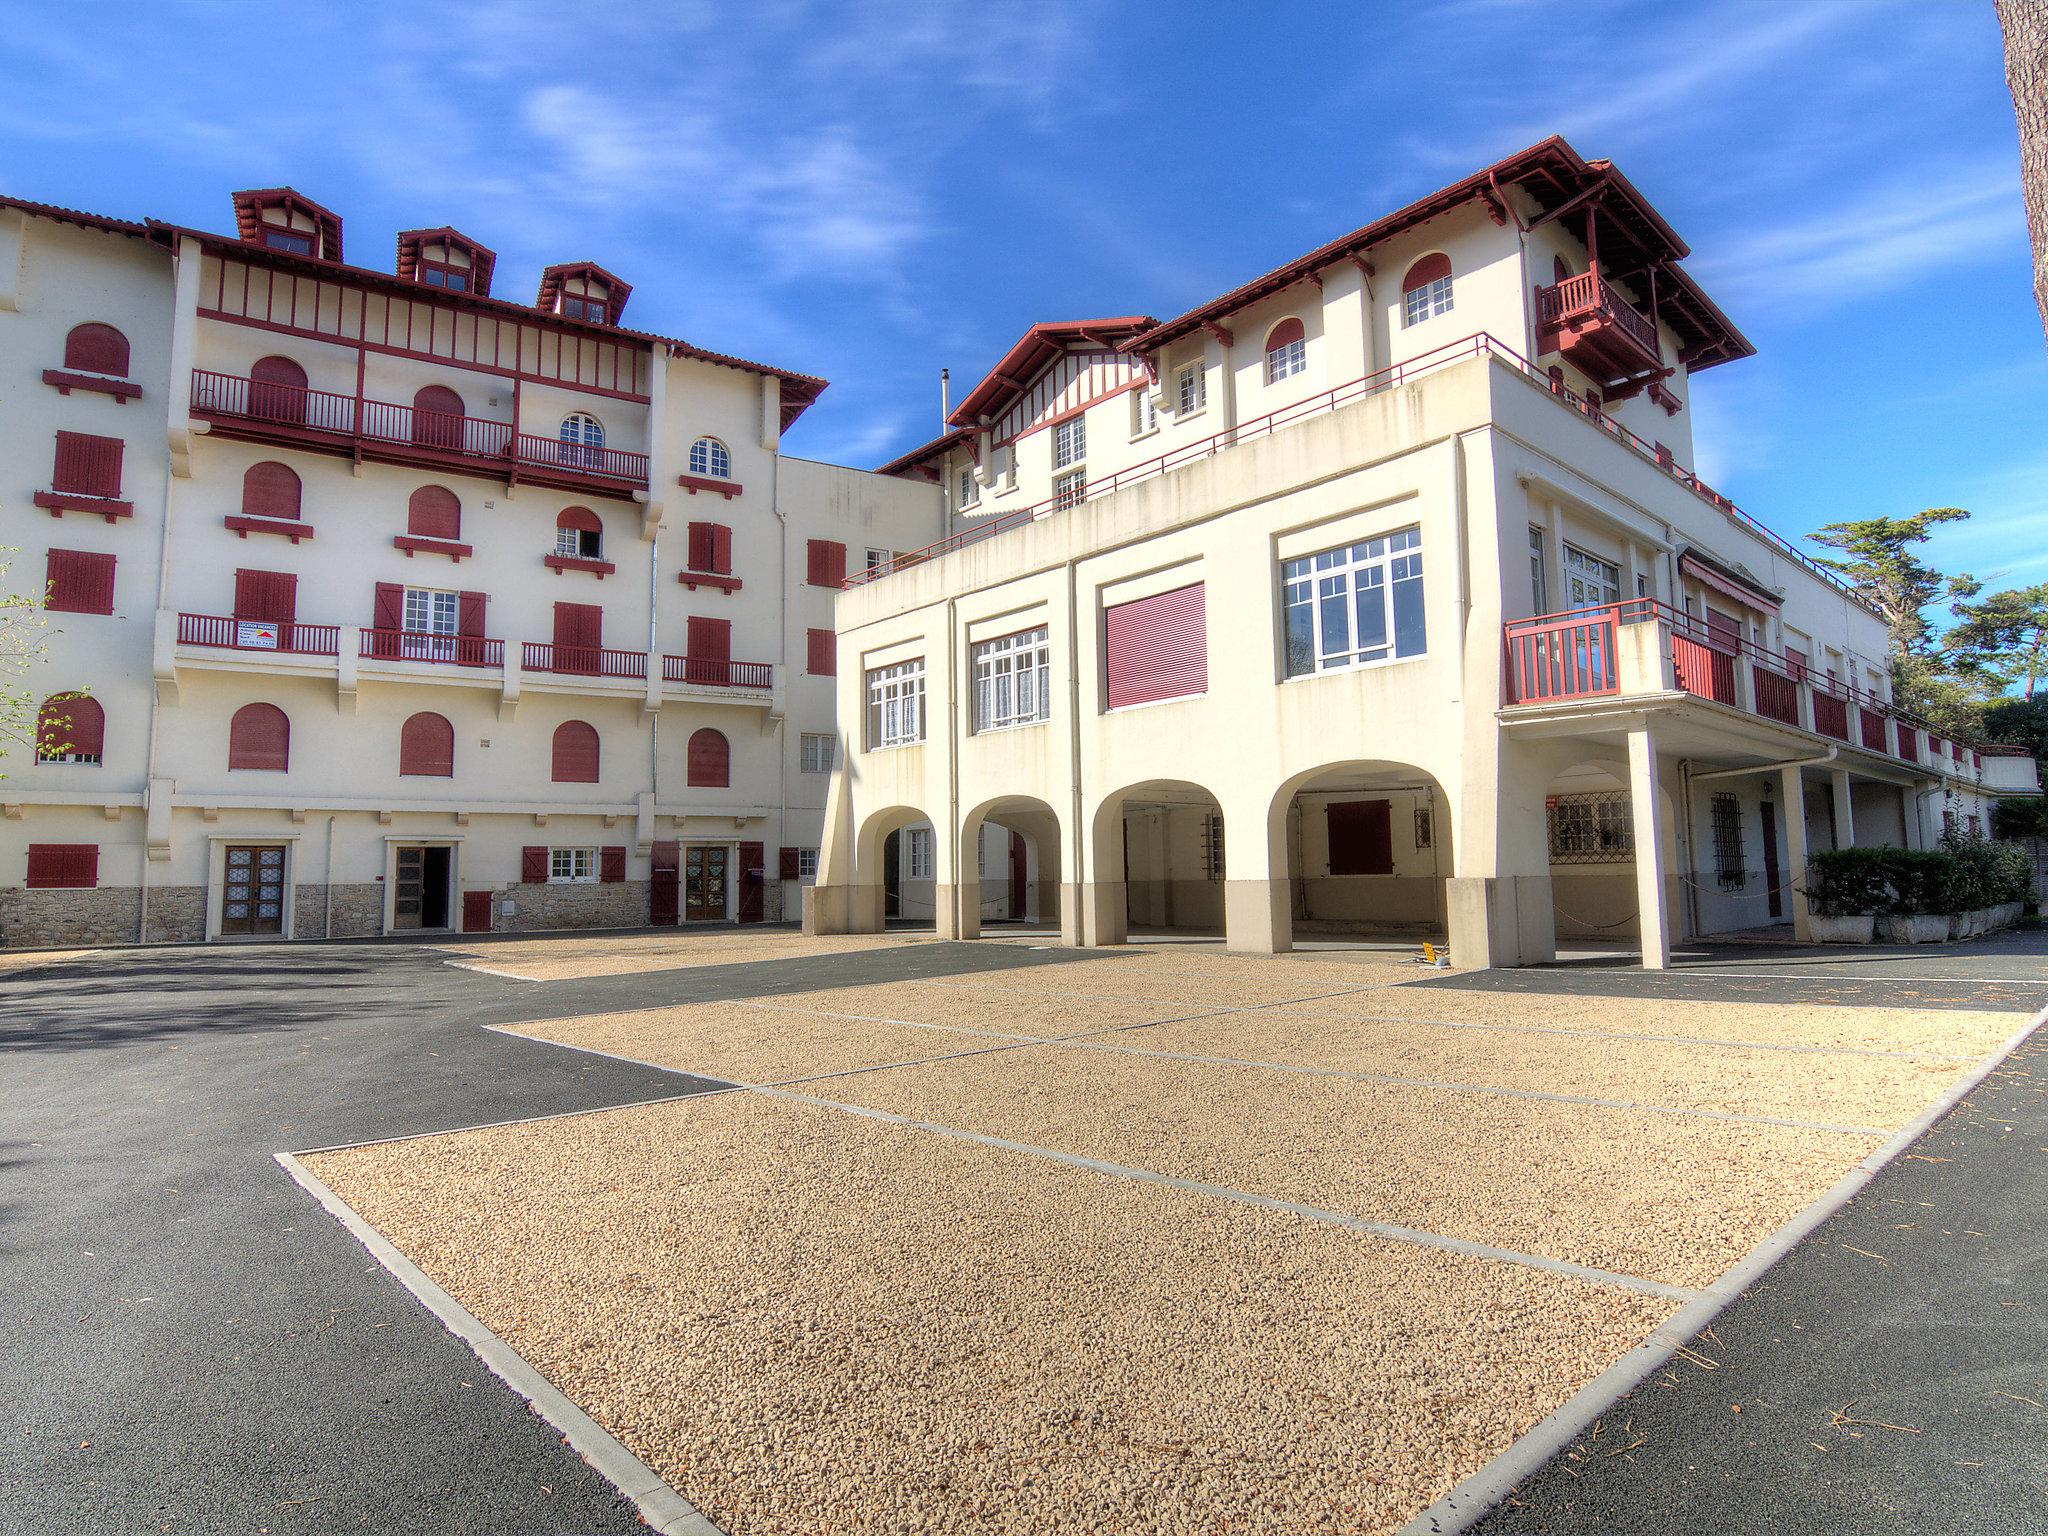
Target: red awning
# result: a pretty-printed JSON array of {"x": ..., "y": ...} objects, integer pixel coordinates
[{"x": 1727, "y": 583}]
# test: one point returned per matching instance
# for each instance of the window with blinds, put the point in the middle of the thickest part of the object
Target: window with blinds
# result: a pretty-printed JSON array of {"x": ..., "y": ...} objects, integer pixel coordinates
[{"x": 1156, "y": 647}]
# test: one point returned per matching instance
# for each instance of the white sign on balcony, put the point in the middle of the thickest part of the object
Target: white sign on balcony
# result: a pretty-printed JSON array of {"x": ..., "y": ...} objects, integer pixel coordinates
[{"x": 253, "y": 635}]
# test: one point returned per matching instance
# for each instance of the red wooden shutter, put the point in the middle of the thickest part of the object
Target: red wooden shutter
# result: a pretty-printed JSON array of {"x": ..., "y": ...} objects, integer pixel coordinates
[
  {"x": 721, "y": 549},
  {"x": 826, "y": 561},
  {"x": 612, "y": 865},
  {"x": 71, "y": 727},
  {"x": 753, "y": 885},
  {"x": 469, "y": 613},
  {"x": 433, "y": 512},
  {"x": 268, "y": 597},
  {"x": 580, "y": 518},
  {"x": 710, "y": 760},
  {"x": 437, "y": 418},
  {"x": 55, "y": 866},
  {"x": 709, "y": 639},
  {"x": 1157, "y": 647},
  {"x": 821, "y": 658},
  {"x": 87, "y": 465},
  {"x": 699, "y": 556},
  {"x": 1426, "y": 271},
  {"x": 533, "y": 866},
  {"x": 259, "y": 738},
  {"x": 1285, "y": 334},
  {"x": 96, "y": 348},
  {"x": 1361, "y": 837},
  {"x": 575, "y": 753},
  {"x": 426, "y": 747},
  {"x": 270, "y": 490},
  {"x": 389, "y": 612},
  {"x": 579, "y": 625},
  {"x": 790, "y": 869},
  {"x": 80, "y": 581}
]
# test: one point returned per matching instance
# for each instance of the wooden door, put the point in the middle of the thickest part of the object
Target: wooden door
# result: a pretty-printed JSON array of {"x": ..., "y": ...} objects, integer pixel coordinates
[
  {"x": 705, "y": 871},
  {"x": 407, "y": 896},
  {"x": 476, "y": 911},
  {"x": 664, "y": 887},
  {"x": 1771, "y": 882},
  {"x": 1019, "y": 865},
  {"x": 252, "y": 893},
  {"x": 578, "y": 637}
]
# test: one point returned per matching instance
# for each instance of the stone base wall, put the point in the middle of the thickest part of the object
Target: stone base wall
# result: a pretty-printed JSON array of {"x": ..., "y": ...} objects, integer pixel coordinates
[
  {"x": 620, "y": 904},
  {"x": 177, "y": 915},
  {"x": 69, "y": 919},
  {"x": 358, "y": 911}
]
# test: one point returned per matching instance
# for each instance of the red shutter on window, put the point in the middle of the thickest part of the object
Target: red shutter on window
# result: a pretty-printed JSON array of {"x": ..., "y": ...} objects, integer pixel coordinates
[
  {"x": 1361, "y": 837},
  {"x": 821, "y": 652},
  {"x": 80, "y": 581},
  {"x": 753, "y": 884},
  {"x": 433, "y": 512},
  {"x": 1157, "y": 647},
  {"x": 87, "y": 465},
  {"x": 699, "y": 556},
  {"x": 575, "y": 753},
  {"x": 71, "y": 727},
  {"x": 269, "y": 597},
  {"x": 259, "y": 738},
  {"x": 826, "y": 561},
  {"x": 270, "y": 490},
  {"x": 611, "y": 865},
  {"x": 57, "y": 866},
  {"x": 1426, "y": 271},
  {"x": 580, "y": 518},
  {"x": 790, "y": 869},
  {"x": 389, "y": 612},
  {"x": 579, "y": 626},
  {"x": 426, "y": 747},
  {"x": 533, "y": 866},
  {"x": 469, "y": 613},
  {"x": 1285, "y": 334},
  {"x": 96, "y": 348},
  {"x": 721, "y": 550},
  {"x": 710, "y": 760},
  {"x": 709, "y": 639}
]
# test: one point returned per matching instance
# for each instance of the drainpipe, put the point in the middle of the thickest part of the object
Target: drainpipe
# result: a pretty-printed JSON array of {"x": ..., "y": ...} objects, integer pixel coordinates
[
  {"x": 654, "y": 662},
  {"x": 327, "y": 918},
  {"x": 953, "y": 770},
  {"x": 1078, "y": 836}
]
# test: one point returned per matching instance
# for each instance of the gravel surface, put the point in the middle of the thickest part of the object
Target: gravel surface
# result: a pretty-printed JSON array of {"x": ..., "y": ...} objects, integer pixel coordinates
[
  {"x": 33, "y": 958},
  {"x": 1658, "y": 1196},
  {"x": 1215, "y": 987},
  {"x": 570, "y": 957},
  {"x": 1025, "y": 1011},
  {"x": 809, "y": 1322}
]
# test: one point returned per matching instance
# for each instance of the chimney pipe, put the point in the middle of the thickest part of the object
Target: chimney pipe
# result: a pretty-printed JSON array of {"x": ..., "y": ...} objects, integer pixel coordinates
[{"x": 945, "y": 397}]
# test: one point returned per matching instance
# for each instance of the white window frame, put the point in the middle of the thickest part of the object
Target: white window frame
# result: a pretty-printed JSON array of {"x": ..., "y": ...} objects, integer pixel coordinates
[
  {"x": 807, "y": 865},
  {"x": 970, "y": 488},
  {"x": 1070, "y": 442},
  {"x": 582, "y": 437},
  {"x": 1285, "y": 361},
  {"x": 1144, "y": 412},
  {"x": 1190, "y": 389},
  {"x": 711, "y": 459},
  {"x": 1012, "y": 681},
  {"x": 877, "y": 558},
  {"x": 1433, "y": 298},
  {"x": 1583, "y": 570},
  {"x": 1352, "y": 576},
  {"x": 917, "y": 853},
  {"x": 572, "y": 866},
  {"x": 1069, "y": 490},
  {"x": 434, "y": 615},
  {"x": 817, "y": 752},
  {"x": 569, "y": 543},
  {"x": 895, "y": 705}
]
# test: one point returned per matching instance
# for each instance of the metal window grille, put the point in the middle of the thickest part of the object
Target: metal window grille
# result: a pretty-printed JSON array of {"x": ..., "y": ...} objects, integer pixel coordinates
[
  {"x": 1726, "y": 813},
  {"x": 1212, "y": 846},
  {"x": 1593, "y": 828}
]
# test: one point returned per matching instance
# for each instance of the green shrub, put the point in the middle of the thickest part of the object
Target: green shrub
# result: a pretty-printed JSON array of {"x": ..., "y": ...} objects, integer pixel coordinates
[
  {"x": 1965, "y": 875},
  {"x": 1849, "y": 882}
]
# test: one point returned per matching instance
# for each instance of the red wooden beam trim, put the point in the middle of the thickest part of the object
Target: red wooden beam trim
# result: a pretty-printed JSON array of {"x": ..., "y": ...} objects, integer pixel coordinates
[
  {"x": 560, "y": 563},
  {"x": 120, "y": 389},
  {"x": 1220, "y": 332},
  {"x": 243, "y": 526},
  {"x": 60, "y": 502},
  {"x": 695, "y": 483},
  {"x": 413, "y": 543},
  {"x": 695, "y": 579}
]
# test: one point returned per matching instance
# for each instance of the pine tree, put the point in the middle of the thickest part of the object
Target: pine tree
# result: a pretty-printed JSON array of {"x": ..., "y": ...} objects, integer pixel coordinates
[{"x": 2025, "y": 25}]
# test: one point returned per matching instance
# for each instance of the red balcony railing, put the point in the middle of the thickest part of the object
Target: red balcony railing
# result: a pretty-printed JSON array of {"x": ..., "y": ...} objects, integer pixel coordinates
[
  {"x": 1703, "y": 668},
  {"x": 1830, "y": 713},
  {"x": 1872, "y": 723},
  {"x": 1562, "y": 656},
  {"x": 716, "y": 672},
  {"x": 449, "y": 650},
  {"x": 1587, "y": 295},
  {"x": 582, "y": 660},
  {"x": 1777, "y": 696},
  {"x": 225, "y": 632},
  {"x": 320, "y": 412},
  {"x": 1909, "y": 741}
]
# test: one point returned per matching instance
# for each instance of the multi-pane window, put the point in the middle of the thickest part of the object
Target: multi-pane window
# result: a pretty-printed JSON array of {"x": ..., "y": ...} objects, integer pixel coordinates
[
  {"x": 807, "y": 865},
  {"x": 1539, "y": 584},
  {"x": 1070, "y": 490},
  {"x": 1589, "y": 581},
  {"x": 1286, "y": 360},
  {"x": 1070, "y": 442},
  {"x": 582, "y": 439},
  {"x": 1191, "y": 389},
  {"x": 571, "y": 865},
  {"x": 1144, "y": 412},
  {"x": 708, "y": 456},
  {"x": 1011, "y": 680},
  {"x": 1595, "y": 828},
  {"x": 917, "y": 853},
  {"x": 1212, "y": 846},
  {"x": 1355, "y": 605},
  {"x": 877, "y": 558},
  {"x": 896, "y": 704},
  {"x": 580, "y": 543},
  {"x": 1725, "y": 814},
  {"x": 1427, "y": 300},
  {"x": 818, "y": 752},
  {"x": 970, "y": 488},
  {"x": 430, "y": 612}
]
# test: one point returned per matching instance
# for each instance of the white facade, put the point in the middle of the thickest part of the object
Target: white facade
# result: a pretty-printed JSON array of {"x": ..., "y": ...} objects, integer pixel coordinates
[{"x": 525, "y": 420}]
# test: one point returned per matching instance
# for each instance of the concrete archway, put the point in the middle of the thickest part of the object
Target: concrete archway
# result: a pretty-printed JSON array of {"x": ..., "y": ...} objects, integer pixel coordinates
[
  {"x": 1159, "y": 858},
  {"x": 1010, "y": 864},
  {"x": 901, "y": 873},
  {"x": 1360, "y": 851}
]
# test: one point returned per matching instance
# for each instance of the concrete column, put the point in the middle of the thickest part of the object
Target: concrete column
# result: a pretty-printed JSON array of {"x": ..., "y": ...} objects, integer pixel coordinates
[
  {"x": 1103, "y": 918},
  {"x": 1256, "y": 920},
  {"x": 1073, "y": 899},
  {"x": 1791, "y": 785},
  {"x": 843, "y": 909},
  {"x": 1845, "y": 816},
  {"x": 1653, "y": 913}
]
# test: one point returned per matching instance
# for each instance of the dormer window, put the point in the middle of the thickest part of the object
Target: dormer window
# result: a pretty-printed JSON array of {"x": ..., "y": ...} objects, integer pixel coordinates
[
  {"x": 440, "y": 274},
  {"x": 589, "y": 307},
  {"x": 582, "y": 291},
  {"x": 447, "y": 259},
  {"x": 279, "y": 219},
  {"x": 287, "y": 240}
]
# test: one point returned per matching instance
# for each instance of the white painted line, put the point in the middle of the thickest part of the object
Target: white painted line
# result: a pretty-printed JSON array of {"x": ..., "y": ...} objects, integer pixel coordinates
[
  {"x": 1463, "y": 1507},
  {"x": 1962, "y": 981},
  {"x": 660, "y": 1505},
  {"x": 485, "y": 970}
]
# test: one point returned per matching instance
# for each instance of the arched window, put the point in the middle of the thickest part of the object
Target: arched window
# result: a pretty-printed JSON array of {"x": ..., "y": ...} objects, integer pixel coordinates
[
  {"x": 270, "y": 489},
  {"x": 260, "y": 738},
  {"x": 70, "y": 728},
  {"x": 1560, "y": 269},
  {"x": 582, "y": 439},
  {"x": 426, "y": 747},
  {"x": 575, "y": 753},
  {"x": 277, "y": 390},
  {"x": 1426, "y": 290},
  {"x": 433, "y": 513},
  {"x": 1286, "y": 350},
  {"x": 578, "y": 534},
  {"x": 96, "y": 348},
  {"x": 708, "y": 457},
  {"x": 437, "y": 417},
  {"x": 710, "y": 760}
]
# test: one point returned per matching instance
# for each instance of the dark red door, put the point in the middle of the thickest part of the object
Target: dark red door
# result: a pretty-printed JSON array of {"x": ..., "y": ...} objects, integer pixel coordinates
[
  {"x": 753, "y": 882},
  {"x": 476, "y": 911},
  {"x": 578, "y": 637},
  {"x": 1019, "y": 863},
  {"x": 1771, "y": 857},
  {"x": 664, "y": 887}
]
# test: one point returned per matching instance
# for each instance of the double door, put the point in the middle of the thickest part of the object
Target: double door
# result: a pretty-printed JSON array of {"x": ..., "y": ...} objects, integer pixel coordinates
[
  {"x": 706, "y": 871},
  {"x": 252, "y": 890}
]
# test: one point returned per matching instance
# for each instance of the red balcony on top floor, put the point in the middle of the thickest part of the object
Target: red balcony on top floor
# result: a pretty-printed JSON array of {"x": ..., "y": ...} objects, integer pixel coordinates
[
  {"x": 380, "y": 430},
  {"x": 1599, "y": 332}
]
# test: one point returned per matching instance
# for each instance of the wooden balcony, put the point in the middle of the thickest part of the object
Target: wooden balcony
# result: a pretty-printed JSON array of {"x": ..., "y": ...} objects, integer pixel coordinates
[
  {"x": 716, "y": 672},
  {"x": 225, "y": 632},
  {"x": 1599, "y": 332},
  {"x": 443, "y": 650},
  {"x": 582, "y": 660},
  {"x": 385, "y": 432}
]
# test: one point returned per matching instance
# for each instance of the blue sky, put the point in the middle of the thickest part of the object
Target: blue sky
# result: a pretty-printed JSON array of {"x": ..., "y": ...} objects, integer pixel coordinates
[{"x": 870, "y": 192}]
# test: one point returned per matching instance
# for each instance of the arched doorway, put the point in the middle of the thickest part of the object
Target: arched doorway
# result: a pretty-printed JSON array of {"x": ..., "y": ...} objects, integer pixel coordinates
[
  {"x": 1010, "y": 866},
  {"x": 1365, "y": 849},
  {"x": 899, "y": 870},
  {"x": 1160, "y": 863}
]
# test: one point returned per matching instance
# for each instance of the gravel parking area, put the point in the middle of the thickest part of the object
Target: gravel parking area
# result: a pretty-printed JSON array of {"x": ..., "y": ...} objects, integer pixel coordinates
[
  {"x": 809, "y": 1319},
  {"x": 570, "y": 957}
]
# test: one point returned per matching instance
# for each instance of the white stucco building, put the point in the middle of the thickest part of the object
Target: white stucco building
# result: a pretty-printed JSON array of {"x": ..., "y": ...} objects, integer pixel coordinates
[
  {"x": 1376, "y": 595},
  {"x": 397, "y": 604}
]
